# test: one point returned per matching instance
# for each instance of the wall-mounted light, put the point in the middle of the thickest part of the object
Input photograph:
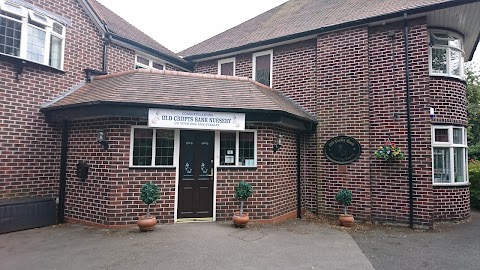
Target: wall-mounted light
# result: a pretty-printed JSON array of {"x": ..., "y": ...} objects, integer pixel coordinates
[
  {"x": 102, "y": 138},
  {"x": 278, "y": 143}
]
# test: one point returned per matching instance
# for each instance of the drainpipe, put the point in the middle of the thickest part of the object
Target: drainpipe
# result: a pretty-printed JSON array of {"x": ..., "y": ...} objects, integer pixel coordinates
[
  {"x": 63, "y": 172},
  {"x": 106, "y": 42},
  {"x": 299, "y": 191},
  {"x": 409, "y": 124}
]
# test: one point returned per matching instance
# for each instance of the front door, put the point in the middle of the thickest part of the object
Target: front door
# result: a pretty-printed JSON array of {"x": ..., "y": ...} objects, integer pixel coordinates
[{"x": 195, "y": 187}]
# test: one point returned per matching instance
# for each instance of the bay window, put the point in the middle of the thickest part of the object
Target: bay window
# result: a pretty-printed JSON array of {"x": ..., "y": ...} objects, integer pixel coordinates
[
  {"x": 32, "y": 36},
  {"x": 446, "y": 53},
  {"x": 238, "y": 148},
  {"x": 449, "y": 147}
]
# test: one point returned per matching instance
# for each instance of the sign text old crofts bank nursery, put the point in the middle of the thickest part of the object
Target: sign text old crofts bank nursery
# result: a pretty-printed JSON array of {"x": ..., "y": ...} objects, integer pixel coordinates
[{"x": 167, "y": 118}]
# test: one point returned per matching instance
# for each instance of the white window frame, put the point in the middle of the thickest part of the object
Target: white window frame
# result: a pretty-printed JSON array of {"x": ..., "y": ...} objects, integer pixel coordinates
[
  {"x": 176, "y": 144},
  {"x": 237, "y": 148},
  {"x": 254, "y": 64},
  {"x": 25, "y": 14},
  {"x": 226, "y": 61},
  {"x": 448, "y": 49},
  {"x": 151, "y": 60},
  {"x": 451, "y": 147}
]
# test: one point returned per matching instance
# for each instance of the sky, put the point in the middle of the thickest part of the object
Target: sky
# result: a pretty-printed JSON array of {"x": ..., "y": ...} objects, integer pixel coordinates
[{"x": 180, "y": 24}]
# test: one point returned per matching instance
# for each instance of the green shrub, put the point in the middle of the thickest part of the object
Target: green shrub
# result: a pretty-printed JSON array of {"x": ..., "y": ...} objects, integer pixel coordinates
[
  {"x": 474, "y": 177},
  {"x": 149, "y": 193},
  {"x": 243, "y": 191},
  {"x": 344, "y": 197}
]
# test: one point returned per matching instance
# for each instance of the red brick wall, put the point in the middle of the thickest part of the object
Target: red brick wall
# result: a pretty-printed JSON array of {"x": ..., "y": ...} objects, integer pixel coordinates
[
  {"x": 449, "y": 99},
  {"x": 451, "y": 203},
  {"x": 110, "y": 195},
  {"x": 30, "y": 149},
  {"x": 387, "y": 80},
  {"x": 273, "y": 182},
  {"x": 119, "y": 58},
  {"x": 207, "y": 67},
  {"x": 342, "y": 109}
]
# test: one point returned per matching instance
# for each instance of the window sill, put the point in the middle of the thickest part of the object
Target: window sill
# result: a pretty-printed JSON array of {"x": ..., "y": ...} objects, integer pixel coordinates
[
  {"x": 152, "y": 167},
  {"x": 235, "y": 167},
  {"x": 465, "y": 184},
  {"x": 20, "y": 63},
  {"x": 449, "y": 77}
]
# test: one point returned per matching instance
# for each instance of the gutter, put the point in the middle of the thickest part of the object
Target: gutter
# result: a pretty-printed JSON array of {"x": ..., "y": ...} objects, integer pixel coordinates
[
  {"x": 309, "y": 121},
  {"x": 317, "y": 31}
]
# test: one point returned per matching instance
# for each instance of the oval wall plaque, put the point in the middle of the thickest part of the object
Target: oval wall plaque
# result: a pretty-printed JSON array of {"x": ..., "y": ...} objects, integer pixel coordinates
[{"x": 342, "y": 149}]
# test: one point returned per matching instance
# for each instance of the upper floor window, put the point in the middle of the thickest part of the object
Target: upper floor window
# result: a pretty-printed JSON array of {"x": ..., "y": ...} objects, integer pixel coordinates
[
  {"x": 226, "y": 67},
  {"x": 262, "y": 67},
  {"x": 446, "y": 53},
  {"x": 449, "y": 145},
  {"x": 30, "y": 35},
  {"x": 144, "y": 62}
]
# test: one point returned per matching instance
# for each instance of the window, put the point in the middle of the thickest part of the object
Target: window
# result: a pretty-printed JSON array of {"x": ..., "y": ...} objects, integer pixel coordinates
[
  {"x": 30, "y": 35},
  {"x": 152, "y": 147},
  {"x": 446, "y": 53},
  {"x": 262, "y": 67},
  {"x": 144, "y": 62},
  {"x": 226, "y": 67},
  {"x": 449, "y": 145},
  {"x": 238, "y": 148}
]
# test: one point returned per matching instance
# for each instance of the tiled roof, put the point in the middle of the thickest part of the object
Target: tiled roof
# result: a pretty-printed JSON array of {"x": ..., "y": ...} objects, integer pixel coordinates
[
  {"x": 299, "y": 16},
  {"x": 122, "y": 28},
  {"x": 172, "y": 88}
]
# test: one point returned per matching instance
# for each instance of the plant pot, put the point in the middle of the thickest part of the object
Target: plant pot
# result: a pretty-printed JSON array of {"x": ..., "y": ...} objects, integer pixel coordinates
[
  {"x": 346, "y": 220},
  {"x": 240, "y": 220},
  {"x": 146, "y": 224}
]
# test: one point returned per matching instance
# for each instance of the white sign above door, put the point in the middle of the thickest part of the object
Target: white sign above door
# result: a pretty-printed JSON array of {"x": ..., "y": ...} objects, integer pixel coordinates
[{"x": 179, "y": 119}]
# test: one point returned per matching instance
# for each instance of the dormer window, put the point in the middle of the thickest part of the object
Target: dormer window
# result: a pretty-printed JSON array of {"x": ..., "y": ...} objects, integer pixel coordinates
[
  {"x": 29, "y": 35},
  {"x": 144, "y": 62},
  {"x": 446, "y": 53}
]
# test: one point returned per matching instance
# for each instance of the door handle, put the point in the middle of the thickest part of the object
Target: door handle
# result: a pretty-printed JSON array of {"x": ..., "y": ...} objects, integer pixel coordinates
[{"x": 211, "y": 168}]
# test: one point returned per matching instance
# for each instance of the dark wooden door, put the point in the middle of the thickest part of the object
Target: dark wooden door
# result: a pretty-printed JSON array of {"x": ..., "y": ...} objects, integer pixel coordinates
[{"x": 195, "y": 188}]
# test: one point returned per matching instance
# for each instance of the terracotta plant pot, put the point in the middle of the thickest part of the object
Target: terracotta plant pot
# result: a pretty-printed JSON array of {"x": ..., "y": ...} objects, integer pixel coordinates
[
  {"x": 240, "y": 221},
  {"x": 146, "y": 224},
  {"x": 346, "y": 220}
]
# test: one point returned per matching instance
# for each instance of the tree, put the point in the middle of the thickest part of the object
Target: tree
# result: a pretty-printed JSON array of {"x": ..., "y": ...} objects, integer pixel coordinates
[{"x": 473, "y": 110}]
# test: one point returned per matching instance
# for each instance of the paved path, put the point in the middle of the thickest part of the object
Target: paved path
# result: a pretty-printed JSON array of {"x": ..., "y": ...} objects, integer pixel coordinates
[
  {"x": 448, "y": 246},
  {"x": 293, "y": 245}
]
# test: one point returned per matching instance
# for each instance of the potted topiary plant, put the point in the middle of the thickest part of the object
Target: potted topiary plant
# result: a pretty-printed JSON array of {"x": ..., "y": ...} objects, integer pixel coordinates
[
  {"x": 344, "y": 197},
  {"x": 149, "y": 194},
  {"x": 243, "y": 191}
]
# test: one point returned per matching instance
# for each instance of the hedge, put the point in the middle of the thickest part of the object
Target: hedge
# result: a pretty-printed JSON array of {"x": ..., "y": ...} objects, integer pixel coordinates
[{"x": 474, "y": 177}]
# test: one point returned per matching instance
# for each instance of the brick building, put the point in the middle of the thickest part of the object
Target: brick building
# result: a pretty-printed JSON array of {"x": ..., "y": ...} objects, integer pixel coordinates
[{"x": 311, "y": 71}]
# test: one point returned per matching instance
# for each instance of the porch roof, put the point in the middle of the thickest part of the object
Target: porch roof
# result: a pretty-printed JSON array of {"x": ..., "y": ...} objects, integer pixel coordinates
[{"x": 131, "y": 93}]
